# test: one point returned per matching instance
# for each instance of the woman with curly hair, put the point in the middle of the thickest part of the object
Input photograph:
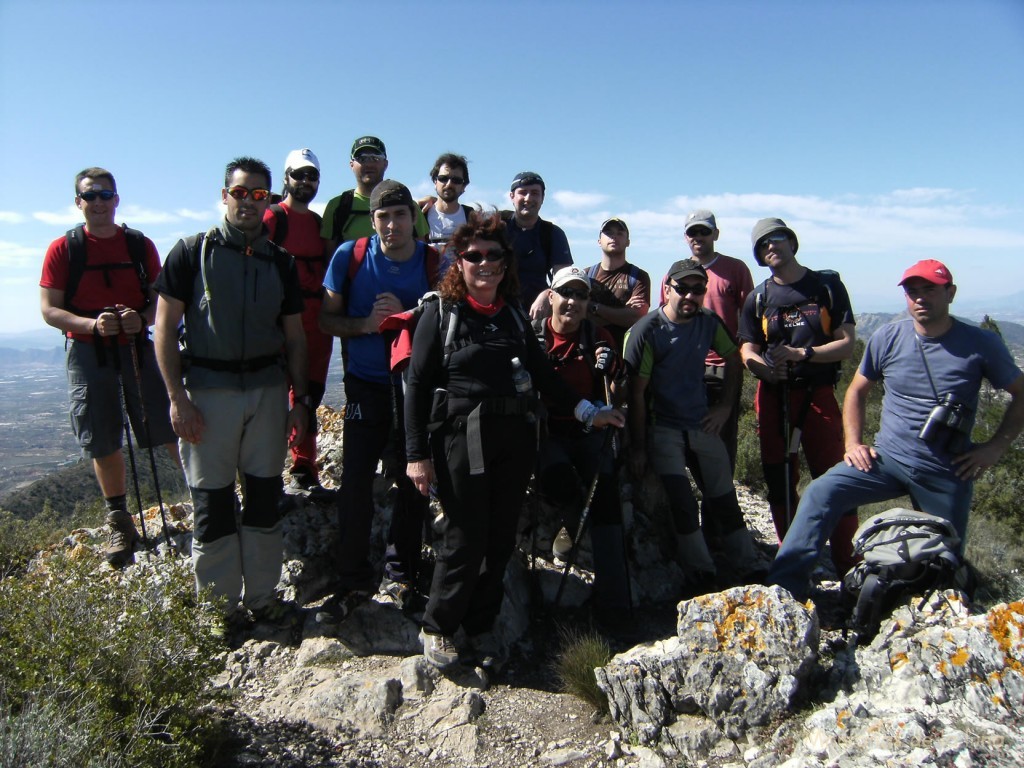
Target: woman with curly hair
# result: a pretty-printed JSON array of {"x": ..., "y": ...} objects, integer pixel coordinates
[{"x": 471, "y": 430}]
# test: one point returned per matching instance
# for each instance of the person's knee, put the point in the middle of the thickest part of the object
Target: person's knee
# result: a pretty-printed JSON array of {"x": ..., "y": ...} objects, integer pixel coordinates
[{"x": 213, "y": 512}]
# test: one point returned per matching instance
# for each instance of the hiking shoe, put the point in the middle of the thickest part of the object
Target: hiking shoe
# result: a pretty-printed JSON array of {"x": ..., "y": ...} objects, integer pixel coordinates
[
  {"x": 401, "y": 593},
  {"x": 562, "y": 545},
  {"x": 439, "y": 650},
  {"x": 280, "y": 614},
  {"x": 121, "y": 539},
  {"x": 340, "y": 607},
  {"x": 487, "y": 652},
  {"x": 234, "y": 622},
  {"x": 305, "y": 484}
]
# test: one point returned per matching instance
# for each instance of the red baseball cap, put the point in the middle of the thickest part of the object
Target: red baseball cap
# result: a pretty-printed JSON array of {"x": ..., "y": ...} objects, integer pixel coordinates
[{"x": 931, "y": 270}]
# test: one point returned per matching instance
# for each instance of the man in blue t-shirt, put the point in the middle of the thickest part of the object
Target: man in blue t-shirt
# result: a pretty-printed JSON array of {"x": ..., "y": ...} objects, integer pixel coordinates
[
  {"x": 671, "y": 425},
  {"x": 391, "y": 277},
  {"x": 925, "y": 361}
]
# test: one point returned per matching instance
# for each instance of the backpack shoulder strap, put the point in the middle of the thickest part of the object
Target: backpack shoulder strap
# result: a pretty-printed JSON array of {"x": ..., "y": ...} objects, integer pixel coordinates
[
  {"x": 280, "y": 223},
  {"x": 76, "y": 261},
  {"x": 137, "y": 253},
  {"x": 633, "y": 277},
  {"x": 468, "y": 210},
  {"x": 448, "y": 320},
  {"x": 761, "y": 299},
  {"x": 547, "y": 233},
  {"x": 432, "y": 263},
  {"x": 343, "y": 212},
  {"x": 355, "y": 262}
]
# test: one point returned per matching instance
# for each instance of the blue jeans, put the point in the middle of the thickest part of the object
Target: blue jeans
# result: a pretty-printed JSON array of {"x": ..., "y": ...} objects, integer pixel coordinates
[{"x": 841, "y": 489}]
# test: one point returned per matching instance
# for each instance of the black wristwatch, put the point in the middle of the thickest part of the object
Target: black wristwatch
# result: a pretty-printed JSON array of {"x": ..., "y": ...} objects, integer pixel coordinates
[{"x": 808, "y": 353}]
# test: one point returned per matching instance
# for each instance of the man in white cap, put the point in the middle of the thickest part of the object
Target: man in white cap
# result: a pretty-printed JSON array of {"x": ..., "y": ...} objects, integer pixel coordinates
[
  {"x": 918, "y": 449},
  {"x": 292, "y": 225}
]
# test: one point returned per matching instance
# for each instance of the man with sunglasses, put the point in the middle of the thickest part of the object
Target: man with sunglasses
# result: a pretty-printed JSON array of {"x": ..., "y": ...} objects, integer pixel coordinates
[
  {"x": 109, "y": 308},
  {"x": 392, "y": 277},
  {"x": 795, "y": 329},
  {"x": 292, "y": 225},
  {"x": 621, "y": 291},
  {"x": 541, "y": 247},
  {"x": 347, "y": 216},
  {"x": 571, "y": 456},
  {"x": 923, "y": 360},
  {"x": 672, "y": 426},
  {"x": 240, "y": 299},
  {"x": 445, "y": 213}
]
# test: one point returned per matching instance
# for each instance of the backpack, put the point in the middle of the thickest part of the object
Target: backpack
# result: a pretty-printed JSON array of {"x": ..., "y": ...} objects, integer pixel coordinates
[
  {"x": 77, "y": 262},
  {"x": 344, "y": 211},
  {"x": 547, "y": 230},
  {"x": 906, "y": 553},
  {"x": 823, "y": 296}
]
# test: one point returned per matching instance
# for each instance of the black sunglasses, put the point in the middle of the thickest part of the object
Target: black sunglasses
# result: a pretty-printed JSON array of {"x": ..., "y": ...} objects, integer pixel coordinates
[
  {"x": 306, "y": 174},
  {"x": 444, "y": 179},
  {"x": 103, "y": 194},
  {"x": 683, "y": 290},
  {"x": 572, "y": 293},
  {"x": 475, "y": 257}
]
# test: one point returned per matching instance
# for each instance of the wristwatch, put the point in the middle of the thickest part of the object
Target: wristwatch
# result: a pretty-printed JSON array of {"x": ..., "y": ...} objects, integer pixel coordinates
[
  {"x": 808, "y": 353},
  {"x": 305, "y": 400}
]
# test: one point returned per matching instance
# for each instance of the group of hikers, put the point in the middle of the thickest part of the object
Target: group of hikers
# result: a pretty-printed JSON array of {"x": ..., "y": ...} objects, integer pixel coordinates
[{"x": 478, "y": 356}]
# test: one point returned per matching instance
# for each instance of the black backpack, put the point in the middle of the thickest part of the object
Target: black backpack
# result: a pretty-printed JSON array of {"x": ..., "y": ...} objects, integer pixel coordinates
[
  {"x": 78, "y": 264},
  {"x": 344, "y": 211},
  {"x": 547, "y": 230},
  {"x": 906, "y": 553}
]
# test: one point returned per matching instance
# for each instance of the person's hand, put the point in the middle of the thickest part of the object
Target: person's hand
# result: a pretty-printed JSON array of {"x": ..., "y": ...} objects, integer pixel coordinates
[
  {"x": 787, "y": 354},
  {"x": 131, "y": 321},
  {"x": 604, "y": 357},
  {"x": 860, "y": 456},
  {"x": 541, "y": 306},
  {"x": 186, "y": 420},
  {"x": 422, "y": 475},
  {"x": 971, "y": 465},
  {"x": 297, "y": 424},
  {"x": 609, "y": 417},
  {"x": 717, "y": 416},
  {"x": 108, "y": 322},
  {"x": 385, "y": 305}
]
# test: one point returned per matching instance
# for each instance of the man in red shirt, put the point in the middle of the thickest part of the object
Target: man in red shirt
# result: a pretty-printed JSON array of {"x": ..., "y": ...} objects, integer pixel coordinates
[
  {"x": 103, "y": 309},
  {"x": 293, "y": 226}
]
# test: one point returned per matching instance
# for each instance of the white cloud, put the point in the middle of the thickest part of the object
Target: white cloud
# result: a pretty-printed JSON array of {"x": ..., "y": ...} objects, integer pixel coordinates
[
  {"x": 10, "y": 217},
  {"x": 188, "y": 213},
  {"x": 578, "y": 200},
  {"x": 137, "y": 215},
  {"x": 64, "y": 218},
  {"x": 15, "y": 255}
]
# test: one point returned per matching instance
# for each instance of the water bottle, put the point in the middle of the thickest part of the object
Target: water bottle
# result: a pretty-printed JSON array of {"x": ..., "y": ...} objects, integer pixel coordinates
[{"x": 521, "y": 377}]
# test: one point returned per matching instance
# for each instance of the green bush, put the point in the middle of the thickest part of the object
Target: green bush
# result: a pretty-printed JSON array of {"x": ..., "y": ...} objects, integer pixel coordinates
[
  {"x": 22, "y": 538},
  {"x": 581, "y": 653},
  {"x": 118, "y": 660}
]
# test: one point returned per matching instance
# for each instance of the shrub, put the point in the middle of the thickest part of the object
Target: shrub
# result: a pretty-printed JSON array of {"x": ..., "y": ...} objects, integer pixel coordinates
[
  {"x": 120, "y": 660},
  {"x": 581, "y": 653}
]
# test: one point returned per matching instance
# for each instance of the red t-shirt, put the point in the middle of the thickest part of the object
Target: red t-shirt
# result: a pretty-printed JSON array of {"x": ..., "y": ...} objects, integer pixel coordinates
[
  {"x": 304, "y": 243},
  {"x": 93, "y": 292},
  {"x": 729, "y": 283},
  {"x": 570, "y": 364}
]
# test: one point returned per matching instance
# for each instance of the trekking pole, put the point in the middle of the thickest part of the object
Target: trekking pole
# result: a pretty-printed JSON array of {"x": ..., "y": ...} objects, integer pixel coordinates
[
  {"x": 149, "y": 442},
  {"x": 570, "y": 559},
  {"x": 116, "y": 354},
  {"x": 787, "y": 468},
  {"x": 615, "y": 456}
]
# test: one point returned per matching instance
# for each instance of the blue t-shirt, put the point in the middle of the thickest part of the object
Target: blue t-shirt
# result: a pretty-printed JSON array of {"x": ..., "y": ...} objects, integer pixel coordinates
[
  {"x": 368, "y": 354},
  {"x": 533, "y": 263},
  {"x": 671, "y": 356},
  {"x": 958, "y": 361}
]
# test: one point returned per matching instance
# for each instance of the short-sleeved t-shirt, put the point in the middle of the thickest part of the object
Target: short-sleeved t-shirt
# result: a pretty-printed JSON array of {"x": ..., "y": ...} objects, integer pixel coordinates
[
  {"x": 575, "y": 367},
  {"x": 957, "y": 361},
  {"x": 360, "y": 223},
  {"x": 368, "y": 354},
  {"x": 671, "y": 357},
  {"x": 793, "y": 317},
  {"x": 729, "y": 284},
  {"x": 616, "y": 288},
  {"x": 303, "y": 242},
  {"x": 533, "y": 263},
  {"x": 93, "y": 294}
]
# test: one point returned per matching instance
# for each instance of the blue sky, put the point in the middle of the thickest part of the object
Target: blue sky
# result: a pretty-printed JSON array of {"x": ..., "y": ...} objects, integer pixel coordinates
[{"x": 883, "y": 132}]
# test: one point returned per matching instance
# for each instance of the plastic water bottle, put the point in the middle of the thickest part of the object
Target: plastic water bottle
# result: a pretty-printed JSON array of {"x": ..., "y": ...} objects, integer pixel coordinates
[{"x": 521, "y": 377}]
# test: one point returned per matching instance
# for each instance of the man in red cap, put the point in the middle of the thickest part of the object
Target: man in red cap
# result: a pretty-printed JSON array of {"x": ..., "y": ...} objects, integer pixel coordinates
[{"x": 923, "y": 446}]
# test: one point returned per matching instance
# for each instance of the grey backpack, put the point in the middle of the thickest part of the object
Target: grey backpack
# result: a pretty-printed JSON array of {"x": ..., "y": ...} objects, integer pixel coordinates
[{"x": 905, "y": 553}]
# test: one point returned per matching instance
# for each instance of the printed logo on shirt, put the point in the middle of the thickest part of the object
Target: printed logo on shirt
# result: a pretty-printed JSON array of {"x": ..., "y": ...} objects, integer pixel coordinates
[{"x": 353, "y": 412}]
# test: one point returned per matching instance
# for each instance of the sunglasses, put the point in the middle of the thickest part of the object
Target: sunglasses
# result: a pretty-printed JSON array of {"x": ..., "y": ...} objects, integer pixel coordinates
[
  {"x": 103, "y": 194},
  {"x": 369, "y": 158},
  {"x": 475, "y": 257},
  {"x": 306, "y": 174},
  {"x": 777, "y": 237},
  {"x": 698, "y": 232},
  {"x": 572, "y": 293},
  {"x": 258, "y": 195},
  {"x": 683, "y": 290},
  {"x": 444, "y": 179}
]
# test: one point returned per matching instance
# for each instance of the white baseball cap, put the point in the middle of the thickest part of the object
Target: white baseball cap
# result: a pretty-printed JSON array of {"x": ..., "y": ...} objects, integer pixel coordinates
[{"x": 300, "y": 158}]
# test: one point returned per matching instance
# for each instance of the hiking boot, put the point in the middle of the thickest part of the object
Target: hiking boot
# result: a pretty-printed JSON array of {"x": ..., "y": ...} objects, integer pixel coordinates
[
  {"x": 121, "y": 539},
  {"x": 340, "y": 607},
  {"x": 279, "y": 614},
  {"x": 562, "y": 545},
  {"x": 234, "y": 622},
  {"x": 402, "y": 593},
  {"x": 439, "y": 650},
  {"x": 303, "y": 483}
]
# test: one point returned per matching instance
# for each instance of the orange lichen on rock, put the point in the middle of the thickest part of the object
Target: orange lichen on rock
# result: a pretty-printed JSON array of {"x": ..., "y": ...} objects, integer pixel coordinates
[
  {"x": 1005, "y": 625},
  {"x": 897, "y": 660}
]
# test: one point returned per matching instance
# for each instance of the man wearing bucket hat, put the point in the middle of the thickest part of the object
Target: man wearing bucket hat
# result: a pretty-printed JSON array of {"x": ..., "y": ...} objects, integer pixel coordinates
[
  {"x": 923, "y": 446},
  {"x": 795, "y": 329},
  {"x": 665, "y": 354}
]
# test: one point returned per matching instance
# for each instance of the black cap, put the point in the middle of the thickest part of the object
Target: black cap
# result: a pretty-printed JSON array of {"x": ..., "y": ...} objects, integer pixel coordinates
[
  {"x": 525, "y": 179},
  {"x": 390, "y": 192},
  {"x": 686, "y": 268}
]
